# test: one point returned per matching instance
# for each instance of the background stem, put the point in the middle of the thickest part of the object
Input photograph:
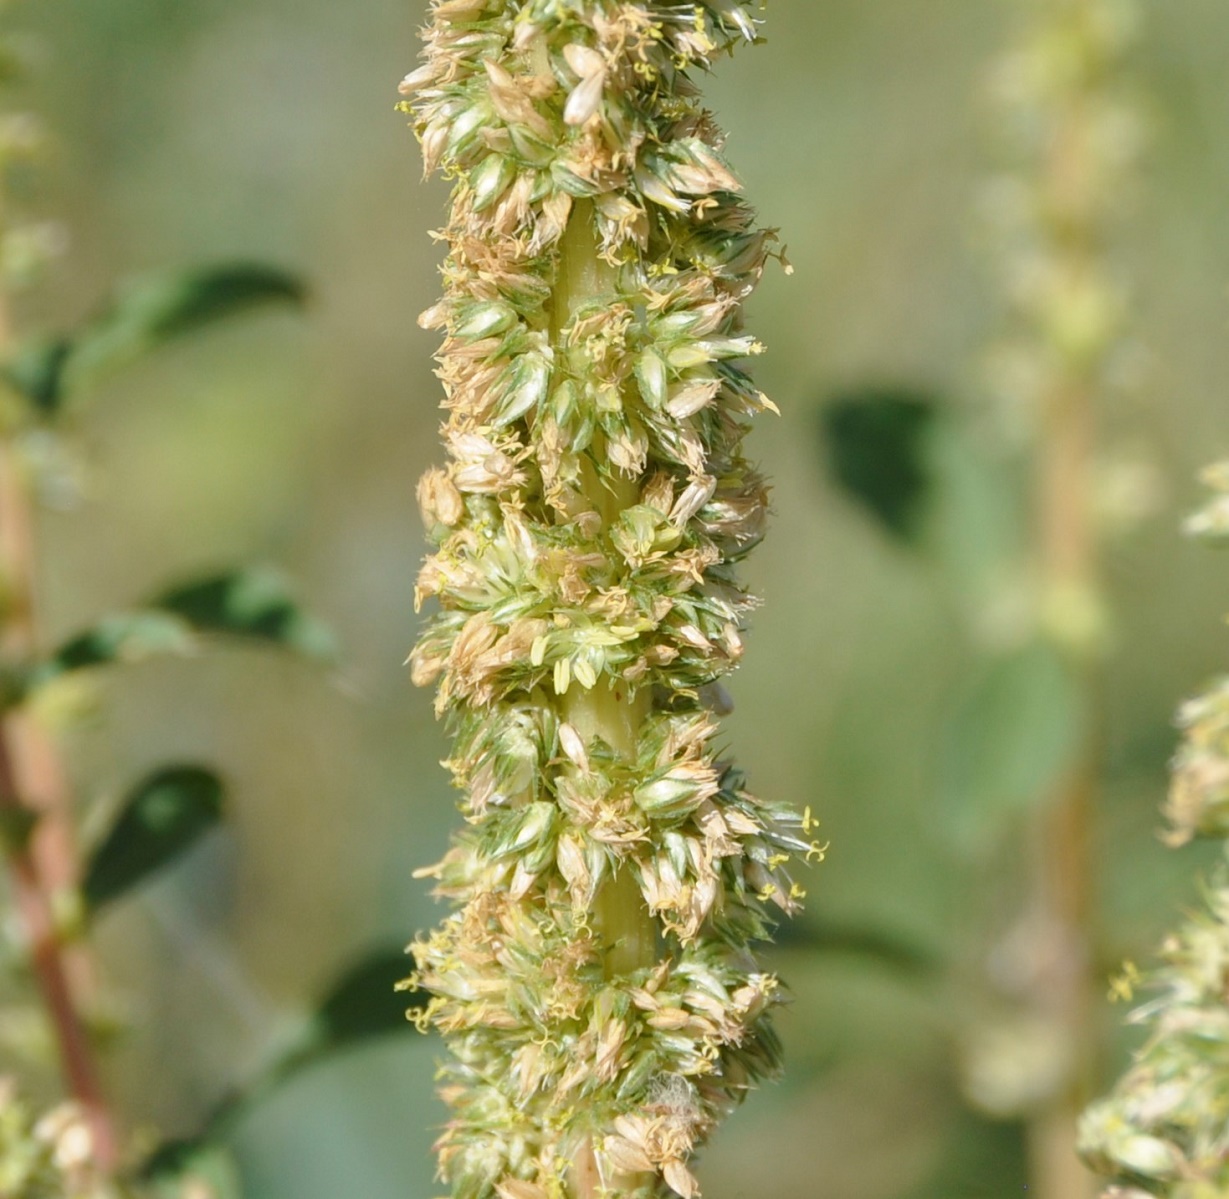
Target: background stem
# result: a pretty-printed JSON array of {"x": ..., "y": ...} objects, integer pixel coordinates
[
  {"x": 1063, "y": 886},
  {"x": 1064, "y": 872},
  {"x": 1068, "y": 552}
]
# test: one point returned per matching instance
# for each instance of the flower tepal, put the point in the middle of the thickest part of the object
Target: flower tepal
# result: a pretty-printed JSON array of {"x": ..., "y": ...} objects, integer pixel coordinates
[{"x": 594, "y": 981}]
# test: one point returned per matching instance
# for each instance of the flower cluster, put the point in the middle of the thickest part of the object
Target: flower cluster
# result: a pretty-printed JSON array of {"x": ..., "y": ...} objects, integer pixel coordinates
[
  {"x": 1199, "y": 792},
  {"x": 1075, "y": 132},
  {"x": 594, "y": 982},
  {"x": 1164, "y": 1132},
  {"x": 51, "y": 1157}
]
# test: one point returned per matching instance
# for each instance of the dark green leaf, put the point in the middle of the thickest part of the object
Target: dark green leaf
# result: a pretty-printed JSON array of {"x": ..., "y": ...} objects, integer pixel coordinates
[
  {"x": 362, "y": 1003},
  {"x": 140, "y": 319},
  {"x": 158, "y": 310},
  {"x": 126, "y": 637},
  {"x": 174, "y": 1163},
  {"x": 253, "y": 605},
  {"x": 163, "y": 817},
  {"x": 876, "y": 446},
  {"x": 37, "y": 371},
  {"x": 250, "y": 603},
  {"x": 1009, "y": 743},
  {"x": 891, "y": 949}
]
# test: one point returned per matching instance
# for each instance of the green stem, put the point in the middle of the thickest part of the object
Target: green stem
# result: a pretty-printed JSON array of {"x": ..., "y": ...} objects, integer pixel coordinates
[{"x": 621, "y": 918}]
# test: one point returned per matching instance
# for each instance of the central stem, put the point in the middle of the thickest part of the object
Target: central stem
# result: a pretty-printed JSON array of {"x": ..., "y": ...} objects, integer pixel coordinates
[
  {"x": 609, "y": 711},
  {"x": 620, "y": 917}
]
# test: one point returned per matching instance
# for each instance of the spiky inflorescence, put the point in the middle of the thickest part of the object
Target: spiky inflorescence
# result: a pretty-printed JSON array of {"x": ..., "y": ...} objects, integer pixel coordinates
[
  {"x": 1164, "y": 1132},
  {"x": 595, "y": 982}
]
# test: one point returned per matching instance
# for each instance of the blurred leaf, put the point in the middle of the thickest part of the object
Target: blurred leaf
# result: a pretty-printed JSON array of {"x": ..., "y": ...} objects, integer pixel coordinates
[
  {"x": 142, "y": 318},
  {"x": 164, "y": 816},
  {"x": 876, "y": 445},
  {"x": 177, "y": 1163},
  {"x": 1010, "y": 741},
  {"x": 252, "y": 603},
  {"x": 125, "y": 637},
  {"x": 888, "y": 948},
  {"x": 937, "y": 485},
  {"x": 362, "y": 1003},
  {"x": 359, "y": 1006},
  {"x": 37, "y": 371},
  {"x": 978, "y": 532},
  {"x": 974, "y": 1148}
]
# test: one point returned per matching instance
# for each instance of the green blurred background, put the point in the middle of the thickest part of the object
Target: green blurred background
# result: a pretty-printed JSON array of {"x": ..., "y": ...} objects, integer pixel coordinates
[{"x": 194, "y": 130}]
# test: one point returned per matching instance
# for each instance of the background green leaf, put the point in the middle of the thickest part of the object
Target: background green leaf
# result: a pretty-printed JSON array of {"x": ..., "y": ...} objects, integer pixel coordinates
[
  {"x": 362, "y": 1003},
  {"x": 141, "y": 318},
  {"x": 37, "y": 371},
  {"x": 210, "y": 1166},
  {"x": 1011, "y": 738},
  {"x": 253, "y": 603},
  {"x": 163, "y": 817},
  {"x": 124, "y": 637},
  {"x": 889, "y": 948},
  {"x": 978, "y": 533},
  {"x": 874, "y": 440}
]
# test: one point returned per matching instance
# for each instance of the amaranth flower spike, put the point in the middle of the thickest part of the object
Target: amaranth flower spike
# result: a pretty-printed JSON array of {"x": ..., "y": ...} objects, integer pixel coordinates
[
  {"x": 1163, "y": 1132},
  {"x": 595, "y": 982}
]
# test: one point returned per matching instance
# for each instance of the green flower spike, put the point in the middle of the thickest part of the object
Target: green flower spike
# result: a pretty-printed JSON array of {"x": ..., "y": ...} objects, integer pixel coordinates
[
  {"x": 595, "y": 982},
  {"x": 1164, "y": 1131}
]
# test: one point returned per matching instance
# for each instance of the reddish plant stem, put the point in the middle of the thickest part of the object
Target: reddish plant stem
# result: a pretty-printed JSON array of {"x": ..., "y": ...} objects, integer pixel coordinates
[
  {"x": 32, "y": 787},
  {"x": 45, "y": 949}
]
